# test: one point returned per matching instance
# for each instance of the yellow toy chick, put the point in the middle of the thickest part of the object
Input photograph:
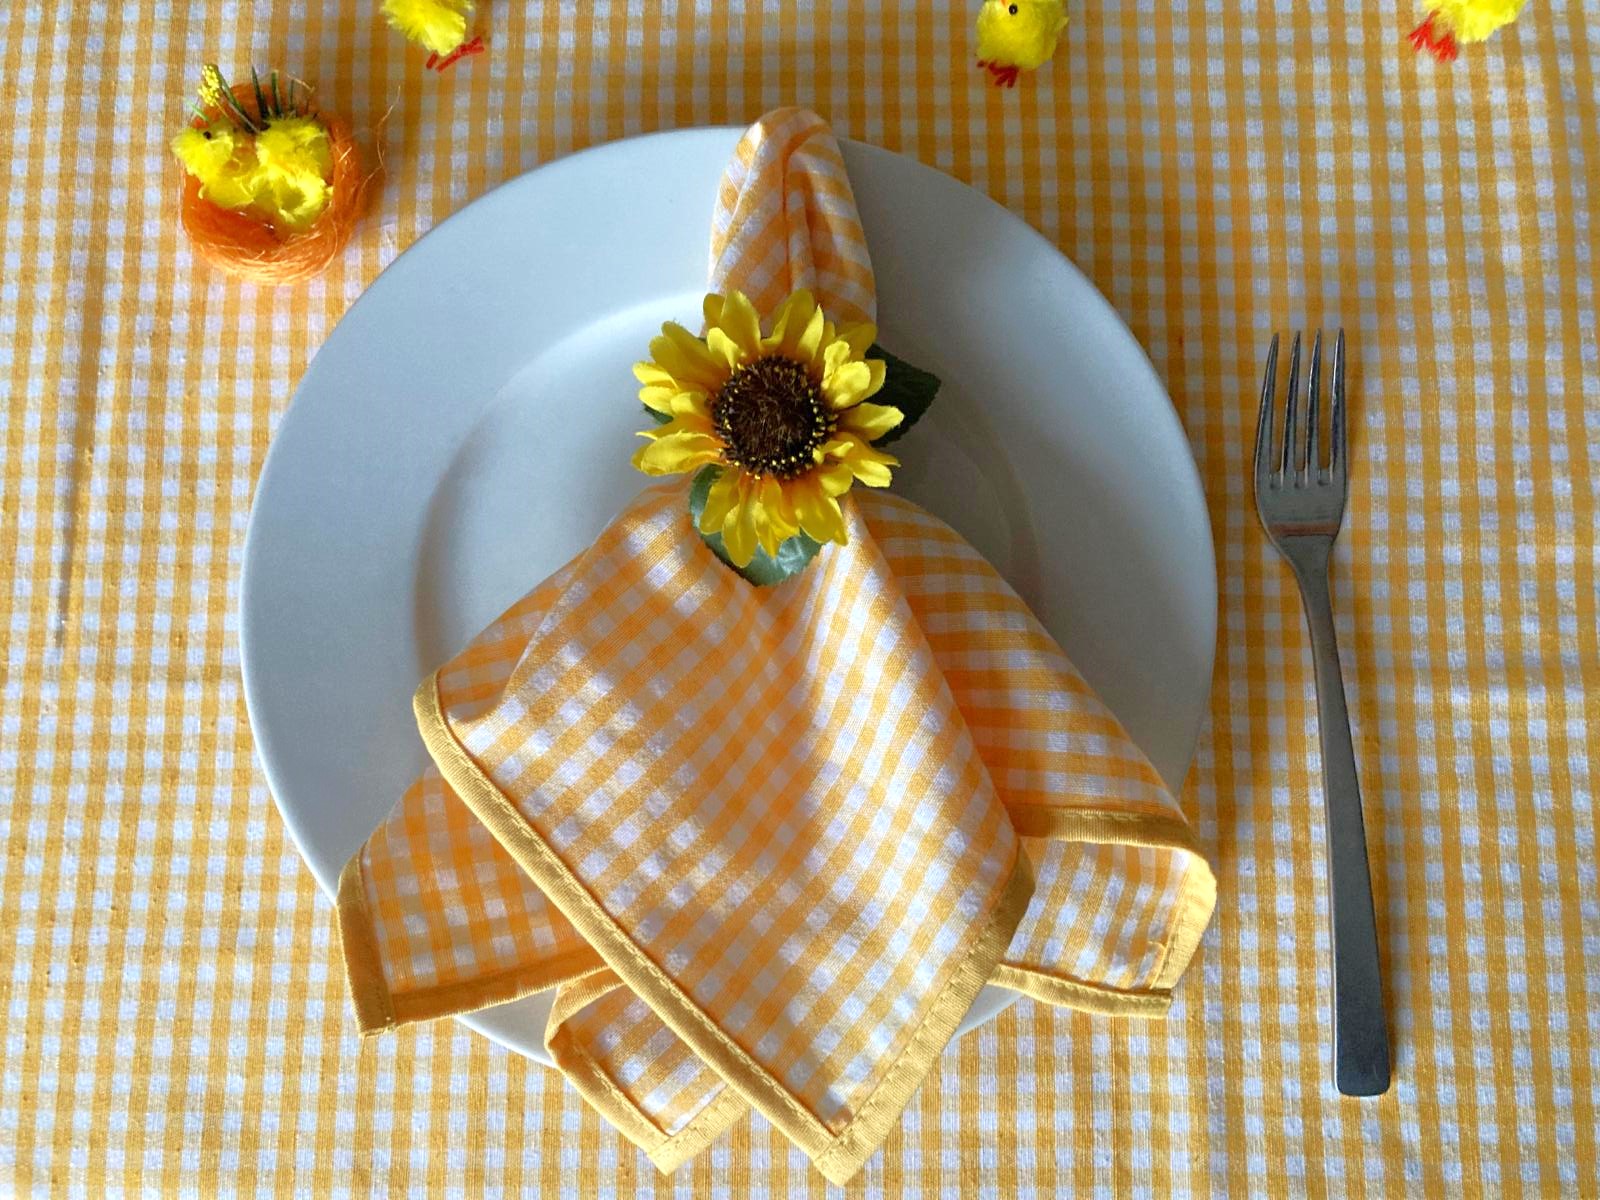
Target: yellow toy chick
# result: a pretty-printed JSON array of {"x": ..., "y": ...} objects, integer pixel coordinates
[
  {"x": 438, "y": 26},
  {"x": 214, "y": 155},
  {"x": 296, "y": 163},
  {"x": 276, "y": 161},
  {"x": 1454, "y": 22},
  {"x": 1018, "y": 35}
]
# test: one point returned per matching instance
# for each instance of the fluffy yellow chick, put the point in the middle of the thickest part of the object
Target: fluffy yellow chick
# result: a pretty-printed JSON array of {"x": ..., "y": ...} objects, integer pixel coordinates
[
  {"x": 295, "y": 158},
  {"x": 438, "y": 26},
  {"x": 1018, "y": 35},
  {"x": 272, "y": 160},
  {"x": 221, "y": 160},
  {"x": 1453, "y": 22}
]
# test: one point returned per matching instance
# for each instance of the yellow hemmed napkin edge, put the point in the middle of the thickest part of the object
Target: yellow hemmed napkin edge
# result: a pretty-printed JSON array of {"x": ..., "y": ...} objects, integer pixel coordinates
[
  {"x": 837, "y": 1156},
  {"x": 1198, "y": 901},
  {"x": 378, "y": 1009},
  {"x": 667, "y": 1152}
]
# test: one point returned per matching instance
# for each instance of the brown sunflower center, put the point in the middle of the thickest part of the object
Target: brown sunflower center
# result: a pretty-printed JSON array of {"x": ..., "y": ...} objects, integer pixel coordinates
[{"x": 771, "y": 416}]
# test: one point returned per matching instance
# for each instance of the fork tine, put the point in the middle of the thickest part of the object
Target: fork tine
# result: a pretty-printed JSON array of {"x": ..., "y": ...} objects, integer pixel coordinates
[
  {"x": 1289, "y": 410},
  {"x": 1313, "y": 467},
  {"x": 1264, "y": 416},
  {"x": 1336, "y": 448}
]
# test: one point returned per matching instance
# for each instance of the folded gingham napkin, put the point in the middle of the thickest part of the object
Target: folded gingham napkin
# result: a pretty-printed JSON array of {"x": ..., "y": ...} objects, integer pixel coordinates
[{"x": 767, "y": 844}]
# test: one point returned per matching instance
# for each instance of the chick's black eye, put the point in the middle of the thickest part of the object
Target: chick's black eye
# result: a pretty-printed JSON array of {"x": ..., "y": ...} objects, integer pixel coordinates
[{"x": 1012, "y": 10}]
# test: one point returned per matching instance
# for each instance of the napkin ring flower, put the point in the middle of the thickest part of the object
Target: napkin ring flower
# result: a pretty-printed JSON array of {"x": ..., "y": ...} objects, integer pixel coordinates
[
  {"x": 778, "y": 425},
  {"x": 272, "y": 186}
]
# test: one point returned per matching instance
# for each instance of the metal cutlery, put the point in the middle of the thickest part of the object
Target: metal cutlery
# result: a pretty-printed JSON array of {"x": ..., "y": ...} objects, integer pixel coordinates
[{"x": 1301, "y": 501}]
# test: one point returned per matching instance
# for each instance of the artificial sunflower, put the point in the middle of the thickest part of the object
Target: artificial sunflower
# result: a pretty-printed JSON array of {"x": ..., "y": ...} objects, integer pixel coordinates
[{"x": 784, "y": 416}]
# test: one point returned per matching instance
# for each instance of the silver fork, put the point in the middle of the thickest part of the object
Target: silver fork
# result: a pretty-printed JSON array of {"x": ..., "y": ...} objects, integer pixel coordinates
[{"x": 1301, "y": 505}]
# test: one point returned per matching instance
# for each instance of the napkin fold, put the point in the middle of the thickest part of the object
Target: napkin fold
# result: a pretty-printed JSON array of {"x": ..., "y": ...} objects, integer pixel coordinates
[{"x": 767, "y": 844}]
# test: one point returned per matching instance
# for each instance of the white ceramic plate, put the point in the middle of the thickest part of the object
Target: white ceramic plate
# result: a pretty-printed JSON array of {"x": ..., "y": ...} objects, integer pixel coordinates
[{"x": 466, "y": 429}]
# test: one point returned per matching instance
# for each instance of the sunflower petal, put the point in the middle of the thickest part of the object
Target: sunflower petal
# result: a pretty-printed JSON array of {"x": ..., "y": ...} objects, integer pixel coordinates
[
  {"x": 653, "y": 375},
  {"x": 676, "y": 453},
  {"x": 740, "y": 322},
  {"x": 870, "y": 421},
  {"x": 819, "y": 513},
  {"x": 835, "y": 354},
  {"x": 810, "y": 338},
  {"x": 712, "y": 309},
  {"x": 779, "y": 510},
  {"x": 686, "y": 358},
  {"x": 789, "y": 323},
  {"x": 847, "y": 385},
  {"x": 835, "y": 478},
  {"x": 690, "y": 403},
  {"x": 658, "y": 396},
  {"x": 723, "y": 348},
  {"x": 719, "y": 502},
  {"x": 781, "y": 501},
  {"x": 766, "y": 533},
  {"x": 826, "y": 341},
  {"x": 879, "y": 370},
  {"x": 739, "y": 531},
  {"x": 865, "y": 462},
  {"x": 859, "y": 338},
  {"x": 690, "y": 424}
]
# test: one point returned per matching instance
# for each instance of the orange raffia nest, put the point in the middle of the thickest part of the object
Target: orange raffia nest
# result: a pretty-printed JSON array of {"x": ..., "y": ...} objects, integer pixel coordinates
[{"x": 242, "y": 245}]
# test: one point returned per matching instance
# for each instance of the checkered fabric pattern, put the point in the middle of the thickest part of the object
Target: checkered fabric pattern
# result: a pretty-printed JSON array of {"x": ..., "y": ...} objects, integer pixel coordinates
[
  {"x": 175, "y": 1019},
  {"x": 923, "y": 796},
  {"x": 773, "y": 841}
]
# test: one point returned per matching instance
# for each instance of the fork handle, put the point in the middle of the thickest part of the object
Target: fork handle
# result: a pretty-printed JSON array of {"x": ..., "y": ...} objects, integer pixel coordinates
[{"x": 1360, "y": 1028}]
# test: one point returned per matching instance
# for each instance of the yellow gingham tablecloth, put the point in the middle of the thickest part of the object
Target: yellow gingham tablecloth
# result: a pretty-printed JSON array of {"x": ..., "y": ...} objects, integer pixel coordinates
[{"x": 175, "y": 1017}]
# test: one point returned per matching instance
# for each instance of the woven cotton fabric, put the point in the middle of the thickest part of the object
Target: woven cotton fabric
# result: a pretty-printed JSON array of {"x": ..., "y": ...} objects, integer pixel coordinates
[
  {"x": 175, "y": 1013},
  {"x": 771, "y": 840}
]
